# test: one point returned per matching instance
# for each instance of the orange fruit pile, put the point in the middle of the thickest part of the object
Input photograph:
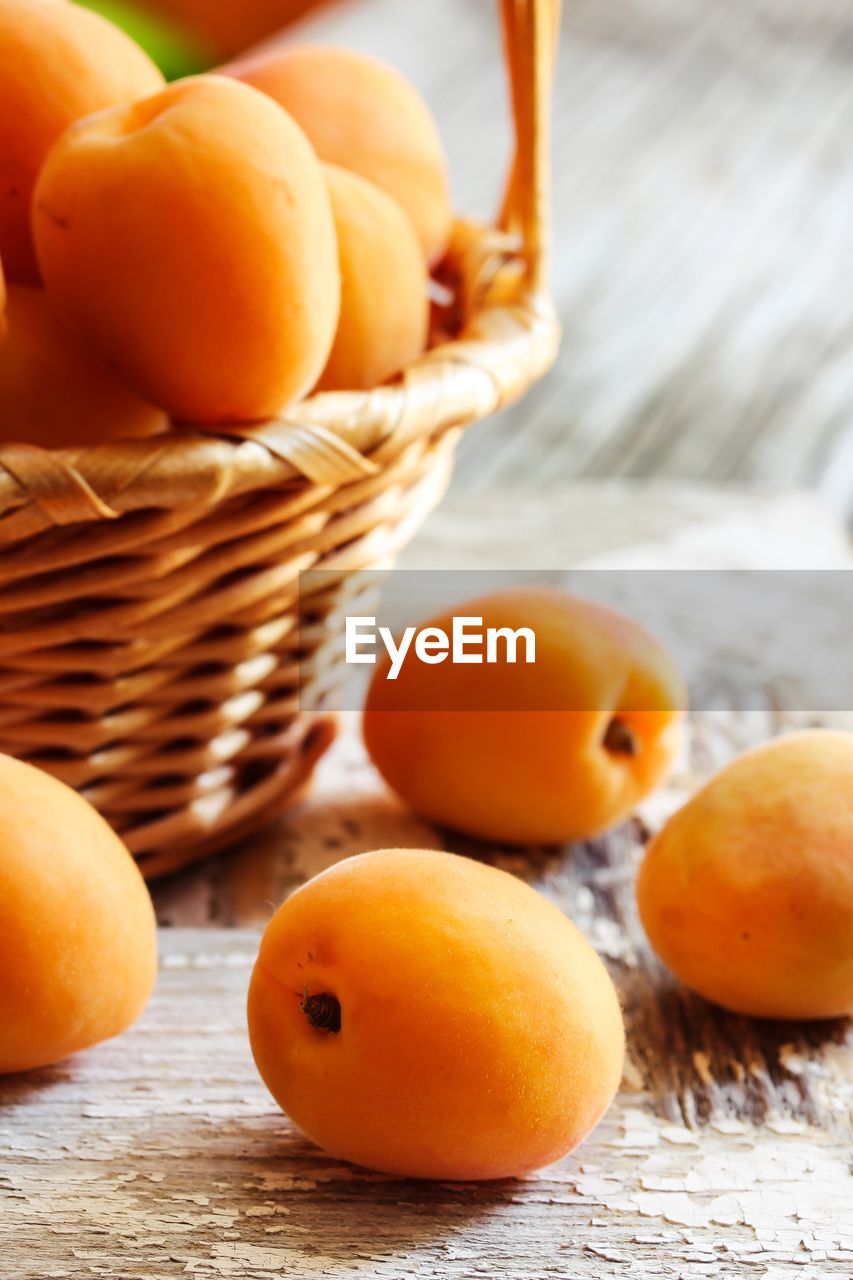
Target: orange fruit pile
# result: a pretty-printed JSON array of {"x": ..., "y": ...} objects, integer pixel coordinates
[{"x": 205, "y": 252}]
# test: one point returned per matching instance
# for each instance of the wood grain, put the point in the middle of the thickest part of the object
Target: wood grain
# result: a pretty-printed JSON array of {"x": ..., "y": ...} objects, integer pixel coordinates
[
  {"x": 726, "y": 1153},
  {"x": 702, "y": 190}
]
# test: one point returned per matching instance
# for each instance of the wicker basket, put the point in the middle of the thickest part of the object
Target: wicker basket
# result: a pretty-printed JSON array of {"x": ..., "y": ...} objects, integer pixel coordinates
[{"x": 152, "y": 633}]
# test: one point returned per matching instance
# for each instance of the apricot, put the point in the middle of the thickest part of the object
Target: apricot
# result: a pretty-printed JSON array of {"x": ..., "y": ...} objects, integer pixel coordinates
[
  {"x": 3, "y": 301},
  {"x": 361, "y": 114},
  {"x": 56, "y": 393},
  {"x": 746, "y": 894},
  {"x": 429, "y": 1016},
  {"x": 543, "y": 752},
  {"x": 384, "y": 302},
  {"x": 58, "y": 62},
  {"x": 78, "y": 953},
  {"x": 190, "y": 238},
  {"x": 231, "y": 25}
]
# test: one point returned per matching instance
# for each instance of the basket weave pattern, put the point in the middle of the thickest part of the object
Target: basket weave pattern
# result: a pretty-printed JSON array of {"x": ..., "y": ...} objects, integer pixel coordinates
[{"x": 152, "y": 632}]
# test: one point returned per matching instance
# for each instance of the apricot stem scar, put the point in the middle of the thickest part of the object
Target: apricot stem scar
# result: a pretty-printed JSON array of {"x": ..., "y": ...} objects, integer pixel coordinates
[
  {"x": 621, "y": 739},
  {"x": 323, "y": 1011}
]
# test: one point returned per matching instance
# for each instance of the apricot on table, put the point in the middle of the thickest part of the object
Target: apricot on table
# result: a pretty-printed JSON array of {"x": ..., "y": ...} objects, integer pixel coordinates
[
  {"x": 78, "y": 953},
  {"x": 363, "y": 115},
  {"x": 54, "y": 391},
  {"x": 384, "y": 317},
  {"x": 58, "y": 62},
  {"x": 429, "y": 1016},
  {"x": 522, "y": 753},
  {"x": 746, "y": 894},
  {"x": 190, "y": 238}
]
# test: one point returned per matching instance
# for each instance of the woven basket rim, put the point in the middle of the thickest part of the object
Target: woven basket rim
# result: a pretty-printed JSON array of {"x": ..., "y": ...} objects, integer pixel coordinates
[{"x": 329, "y": 439}]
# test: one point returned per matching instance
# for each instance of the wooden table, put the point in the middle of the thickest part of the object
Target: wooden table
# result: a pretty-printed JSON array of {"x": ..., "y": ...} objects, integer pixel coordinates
[{"x": 726, "y": 1154}]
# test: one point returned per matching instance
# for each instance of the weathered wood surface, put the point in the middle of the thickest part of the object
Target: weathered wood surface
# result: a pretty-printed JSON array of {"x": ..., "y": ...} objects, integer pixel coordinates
[
  {"x": 703, "y": 183},
  {"x": 726, "y": 1154},
  {"x": 628, "y": 524}
]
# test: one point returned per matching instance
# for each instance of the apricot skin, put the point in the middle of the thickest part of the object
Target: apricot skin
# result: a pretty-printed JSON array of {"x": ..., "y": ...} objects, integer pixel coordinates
[
  {"x": 56, "y": 393},
  {"x": 190, "y": 238},
  {"x": 361, "y": 114},
  {"x": 78, "y": 953},
  {"x": 384, "y": 316},
  {"x": 747, "y": 892},
  {"x": 480, "y": 1035},
  {"x": 58, "y": 62},
  {"x": 230, "y": 25},
  {"x": 516, "y": 753}
]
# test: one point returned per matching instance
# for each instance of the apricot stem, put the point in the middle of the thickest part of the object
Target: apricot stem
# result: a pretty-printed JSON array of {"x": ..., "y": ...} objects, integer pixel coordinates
[
  {"x": 323, "y": 1011},
  {"x": 621, "y": 739}
]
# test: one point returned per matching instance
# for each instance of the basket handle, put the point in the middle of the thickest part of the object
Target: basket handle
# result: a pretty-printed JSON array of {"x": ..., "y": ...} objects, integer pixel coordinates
[{"x": 531, "y": 29}]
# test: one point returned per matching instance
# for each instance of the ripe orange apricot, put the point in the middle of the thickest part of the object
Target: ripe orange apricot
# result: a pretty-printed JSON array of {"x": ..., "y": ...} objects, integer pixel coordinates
[
  {"x": 555, "y": 750},
  {"x": 747, "y": 892},
  {"x": 227, "y": 26},
  {"x": 430, "y": 1016},
  {"x": 361, "y": 114},
  {"x": 3, "y": 301},
  {"x": 78, "y": 946},
  {"x": 58, "y": 62},
  {"x": 384, "y": 302},
  {"x": 56, "y": 393},
  {"x": 190, "y": 237}
]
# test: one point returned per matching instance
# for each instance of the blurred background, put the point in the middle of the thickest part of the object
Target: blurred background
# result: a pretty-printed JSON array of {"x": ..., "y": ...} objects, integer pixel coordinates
[{"x": 704, "y": 223}]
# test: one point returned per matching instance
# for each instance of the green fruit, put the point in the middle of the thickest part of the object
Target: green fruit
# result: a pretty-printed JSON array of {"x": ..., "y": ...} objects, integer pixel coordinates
[{"x": 176, "y": 51}]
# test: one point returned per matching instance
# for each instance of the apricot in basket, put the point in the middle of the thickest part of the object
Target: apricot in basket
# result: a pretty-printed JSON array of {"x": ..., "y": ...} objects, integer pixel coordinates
[
  {"x": 190, "y": 237},
  {"x": 54, "y": 391},
  {"x": 384, "y": 302},
  {"x": 58, "y": 62},
  {"x": 363, "y": 115}
]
